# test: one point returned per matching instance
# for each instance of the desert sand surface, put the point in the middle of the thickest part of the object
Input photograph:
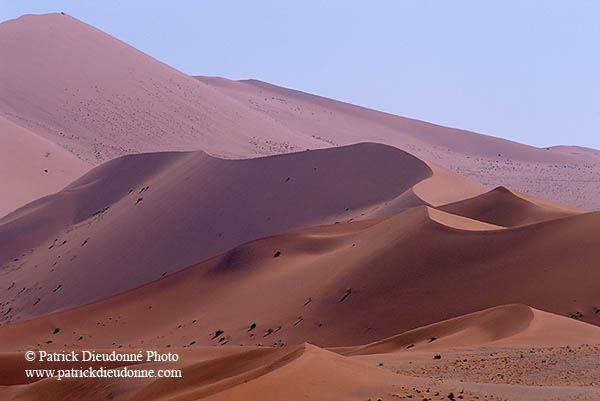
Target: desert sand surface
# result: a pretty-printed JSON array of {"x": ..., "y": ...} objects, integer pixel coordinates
[
  {"x": 552, "y": 173},
  {"x": 286, "y": 246},
  {"x": 32, "y": 167},
  {"x": 506, "y": 208},
  {"x": 361, "y": 282},
  {"x": 137, "y": 218},
  {"x": 516, "y": 347},
  {"x": 100, "y": 98}
]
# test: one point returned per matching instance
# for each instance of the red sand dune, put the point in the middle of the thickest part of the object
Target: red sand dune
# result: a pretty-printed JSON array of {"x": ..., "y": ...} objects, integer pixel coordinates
[
  {"x": 357, "y": 243},
  {"x": 305, "y": 371},
  {"x": 506, "y": 208},
  {"x": 100, "y": 98},
  {"x": 94, "y": 238},
  {"x": 515, "y": 325},
  {"x": 360, "y": 281}
]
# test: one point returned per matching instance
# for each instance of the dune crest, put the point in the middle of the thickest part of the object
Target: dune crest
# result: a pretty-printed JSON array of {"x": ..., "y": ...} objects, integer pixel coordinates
[
  {"x": 506, "y": 208},
  {"x": 362, "y": 281},
  {"x": 84, "y": 243},
  {"x": 515, "y": 325},
  {"x": 569, "y": 177},
  {"x": 100, "y": 98}
]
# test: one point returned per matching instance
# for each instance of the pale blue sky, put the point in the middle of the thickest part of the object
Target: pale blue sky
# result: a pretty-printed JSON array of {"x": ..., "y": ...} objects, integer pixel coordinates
[{"x": 523, "y": 70}]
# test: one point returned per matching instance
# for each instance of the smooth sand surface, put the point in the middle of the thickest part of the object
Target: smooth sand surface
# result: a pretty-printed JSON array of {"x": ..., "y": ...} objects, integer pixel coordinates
[
  {"x": 517, "y": 326},
  {"x": 99, "y": 98},
  {"x": 398, "y": 367},
  {"x": 506, "y": 208},
  {"x": 137, "y": 218},
  {"x": 360, "y": 282},
  {"x": 32, "y": 167},
  {"x": 565, "y": 176},
  {"x": 214, "y": 226}
]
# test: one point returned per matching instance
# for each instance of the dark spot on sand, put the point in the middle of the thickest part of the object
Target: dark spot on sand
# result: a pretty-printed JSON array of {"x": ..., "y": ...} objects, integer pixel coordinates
[{"x": 348, "y": 292}]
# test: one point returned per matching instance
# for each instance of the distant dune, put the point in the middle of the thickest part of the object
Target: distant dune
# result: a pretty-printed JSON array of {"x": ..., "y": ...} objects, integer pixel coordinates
[
  {"x": 32, "y": 167},
  {"x": 565, "y": 176},
  {"x": 99, "y": 98}
]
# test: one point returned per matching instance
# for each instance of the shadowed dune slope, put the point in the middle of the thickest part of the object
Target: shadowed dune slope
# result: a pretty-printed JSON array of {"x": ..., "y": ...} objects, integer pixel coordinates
[
  {"x": 31, "y": 166},
  {"x": 360, "y": 282},
  {"x": 506, "y": 208},
  {"x": 136, "y": 218}
]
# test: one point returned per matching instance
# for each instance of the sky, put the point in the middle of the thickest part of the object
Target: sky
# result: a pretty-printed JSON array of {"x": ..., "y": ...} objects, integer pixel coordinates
[{"x": 528, "y": 71}]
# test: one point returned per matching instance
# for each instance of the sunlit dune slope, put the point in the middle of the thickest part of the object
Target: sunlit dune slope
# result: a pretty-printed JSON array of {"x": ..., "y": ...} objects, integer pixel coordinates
[
  {"x": 504, "y": 207},
  {"x": 345, "y": 284}
]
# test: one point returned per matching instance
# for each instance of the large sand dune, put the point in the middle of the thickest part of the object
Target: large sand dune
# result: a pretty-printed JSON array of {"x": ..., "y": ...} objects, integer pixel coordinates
[
  {"x": 360, "y": 282},
  {"x": 285, "y": 245},
  {"x": 137, "y": 218},
  {"x": 32, "y": 167},
  {"x": 99, "y": 98},
  {"x": 568, "y": 175}
]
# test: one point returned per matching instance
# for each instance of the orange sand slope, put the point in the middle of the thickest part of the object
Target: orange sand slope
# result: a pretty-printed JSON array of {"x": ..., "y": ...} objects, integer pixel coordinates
[
  {"x": 309, "y": 372},
  {"x": 509, "y": 209},
  {"x": 361, "y": 282},
  {"x": 513, "y": 325},
  {"x": 31, "y": 166},
  {"x": 137, "y": 218},
  {"x": 566, "y": 176}
]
